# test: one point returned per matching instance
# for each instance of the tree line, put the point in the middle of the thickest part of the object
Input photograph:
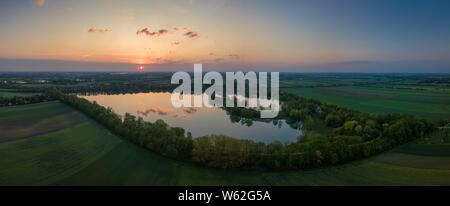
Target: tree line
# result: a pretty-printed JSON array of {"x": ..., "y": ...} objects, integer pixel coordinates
[
  {"x": 99, "y": 88},
  {"x": 117, "y": 88},
  {"x": 354, "y": 135},
  {"x": 157, "y": 137},
  {"x": 17, "y": 100}
]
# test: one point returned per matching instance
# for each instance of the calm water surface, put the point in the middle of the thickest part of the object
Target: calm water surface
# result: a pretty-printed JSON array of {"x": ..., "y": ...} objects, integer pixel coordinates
[{"x": 199, "y": 121}]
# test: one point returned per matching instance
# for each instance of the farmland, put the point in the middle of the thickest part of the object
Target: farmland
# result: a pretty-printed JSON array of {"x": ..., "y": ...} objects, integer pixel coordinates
[
  {"x": 18, "y": 94},
  {"x": 375, "y": 94},
  {"x": 18, "y": 122},
  {"x": 44, "y": 159},
  {"x": 127, "y": 165},
  {"x": 88, "y": 154},
  {"x": 50, "y": 143}
]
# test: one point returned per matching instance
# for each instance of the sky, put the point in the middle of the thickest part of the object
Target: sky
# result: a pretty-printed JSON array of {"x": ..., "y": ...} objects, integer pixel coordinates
[{"x": 225, "y": 35}]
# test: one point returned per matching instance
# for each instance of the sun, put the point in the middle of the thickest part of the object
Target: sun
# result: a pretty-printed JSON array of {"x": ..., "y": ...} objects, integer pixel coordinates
[{"x": 141, "y": 68}]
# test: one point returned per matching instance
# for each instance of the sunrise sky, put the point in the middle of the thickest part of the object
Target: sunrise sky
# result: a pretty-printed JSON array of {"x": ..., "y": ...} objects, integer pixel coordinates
[{"x": 259, "y": 35}]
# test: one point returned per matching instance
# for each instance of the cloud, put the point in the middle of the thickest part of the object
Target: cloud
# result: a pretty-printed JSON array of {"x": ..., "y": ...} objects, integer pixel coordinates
[
  {"x": 143, "y": 31},
  {"x": 167, "y": 111},
  {"x": 225, "y": 57},
  {"x": 39, "y": 3},
  {"x": 162, "y": 32},
  {"x": 146, "y": 31},
  {"x": 235, "y": 56},
  {"x": 190, "y": 110},
  {"x": 184, "y": 29},
  {"x": 101, "y": 31},
  {"x": 191, "y": 34},
  {"x": 158, "y": 110}
]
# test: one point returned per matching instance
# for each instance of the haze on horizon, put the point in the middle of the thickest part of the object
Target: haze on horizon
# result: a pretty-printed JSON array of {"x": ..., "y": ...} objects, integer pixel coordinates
[{"x": 301, "y": 36}]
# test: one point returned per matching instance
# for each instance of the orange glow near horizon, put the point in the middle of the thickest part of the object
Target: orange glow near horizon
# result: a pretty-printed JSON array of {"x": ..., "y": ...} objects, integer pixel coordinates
[
  {"x": 221, "y": 34},
  {"x": 136, "y": 36}
]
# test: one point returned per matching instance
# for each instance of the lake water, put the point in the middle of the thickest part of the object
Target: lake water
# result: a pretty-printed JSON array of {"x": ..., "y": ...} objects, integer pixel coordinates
[{"x": 199, "y": 121}]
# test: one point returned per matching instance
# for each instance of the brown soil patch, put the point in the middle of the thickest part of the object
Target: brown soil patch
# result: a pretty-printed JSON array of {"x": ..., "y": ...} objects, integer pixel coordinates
[{"x": 32, "y": 127}]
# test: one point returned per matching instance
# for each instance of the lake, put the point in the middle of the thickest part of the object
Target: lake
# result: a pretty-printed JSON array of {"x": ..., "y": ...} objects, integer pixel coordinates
[{"x": 199, "y": 121}]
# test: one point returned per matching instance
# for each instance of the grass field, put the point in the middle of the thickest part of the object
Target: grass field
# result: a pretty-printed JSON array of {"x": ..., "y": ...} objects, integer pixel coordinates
[
  {"x": 19, "y": 94},
  {"x": 128, "y": 165},
  {"x": 431, "y": 152},
  {"x": 32, "y": 111},
  {"x": 414, "y": 161},
  {"x": 18, "y": 122},
  {"x": 425, "y": 149},
  {"x": 430, "y": 104},
  {"x": 88, "y": 154},
  {"x": 44, "y": 159}
]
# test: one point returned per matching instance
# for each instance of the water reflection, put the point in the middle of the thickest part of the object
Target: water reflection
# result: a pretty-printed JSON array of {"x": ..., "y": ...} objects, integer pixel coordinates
[{"x": 198, "y": 120}]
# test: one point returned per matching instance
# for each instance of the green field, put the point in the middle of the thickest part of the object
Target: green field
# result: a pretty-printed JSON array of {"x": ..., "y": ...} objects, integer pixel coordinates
[
  {"x": 128, "y": 165},
  {"x": 425, "y": 149},
  {"x": 88, "y": 154},
  {"x": 44, "y": 159},
  {"x": 431, "y": 104},
  {"x": 18, "y": 122},
  {"x": 18, "y": 94}
]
